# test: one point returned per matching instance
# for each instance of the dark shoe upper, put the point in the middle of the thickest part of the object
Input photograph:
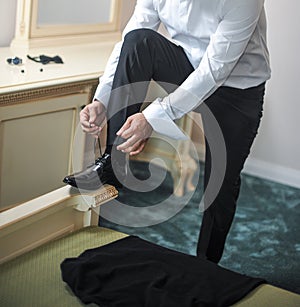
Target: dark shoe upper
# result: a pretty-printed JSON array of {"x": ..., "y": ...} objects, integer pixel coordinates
[{"x": 97, "y": 174}]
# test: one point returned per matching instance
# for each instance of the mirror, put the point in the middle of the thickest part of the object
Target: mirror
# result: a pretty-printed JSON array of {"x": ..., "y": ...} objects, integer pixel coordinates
[
  {"x": 42, "y": 22},
  {"x": 57, "y": 12},
  {"x": 65, "y": 17}
]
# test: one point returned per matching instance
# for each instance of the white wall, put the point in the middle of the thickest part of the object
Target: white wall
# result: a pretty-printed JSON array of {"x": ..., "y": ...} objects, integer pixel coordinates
[{"x": 276, "y": 152}]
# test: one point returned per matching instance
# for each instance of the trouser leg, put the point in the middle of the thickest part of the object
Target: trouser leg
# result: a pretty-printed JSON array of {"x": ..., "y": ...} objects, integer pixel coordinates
[
  {"x": 145, "y": 55},
  {"x": 238, "y": 114}
]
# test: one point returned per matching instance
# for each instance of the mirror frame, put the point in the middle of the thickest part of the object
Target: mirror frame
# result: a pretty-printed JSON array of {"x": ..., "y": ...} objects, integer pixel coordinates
[
  {"x": 28, "y": 33},
  {"x": 54, "y": 30}
]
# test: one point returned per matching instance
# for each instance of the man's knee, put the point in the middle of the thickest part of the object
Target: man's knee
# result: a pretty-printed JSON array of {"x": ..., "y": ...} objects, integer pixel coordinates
[
  {"x": 139, "y": 37},
  {"x": 137, "y": 43},
  {"x": 139, "y": 34}
]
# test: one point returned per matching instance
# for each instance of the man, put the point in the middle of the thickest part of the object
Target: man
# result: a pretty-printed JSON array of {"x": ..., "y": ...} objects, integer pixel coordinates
[{"x": 216, "y": 57}]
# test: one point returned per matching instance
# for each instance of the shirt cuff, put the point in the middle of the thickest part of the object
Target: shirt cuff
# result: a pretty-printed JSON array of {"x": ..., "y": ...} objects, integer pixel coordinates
[
  {"x": 161, "y": 122},
  {"x": 102, "y": 94}
]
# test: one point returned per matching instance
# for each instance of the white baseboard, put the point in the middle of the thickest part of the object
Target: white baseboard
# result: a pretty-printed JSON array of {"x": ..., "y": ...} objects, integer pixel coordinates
[{"x": 271, "y": 171}]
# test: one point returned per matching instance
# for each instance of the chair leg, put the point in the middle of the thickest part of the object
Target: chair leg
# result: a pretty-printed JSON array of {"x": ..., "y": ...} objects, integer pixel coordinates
[{"x": 182, "y": 173}]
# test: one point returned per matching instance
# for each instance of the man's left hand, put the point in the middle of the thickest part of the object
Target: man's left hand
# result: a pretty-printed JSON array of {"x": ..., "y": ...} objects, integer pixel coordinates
[{"x": 136, "y": 131}]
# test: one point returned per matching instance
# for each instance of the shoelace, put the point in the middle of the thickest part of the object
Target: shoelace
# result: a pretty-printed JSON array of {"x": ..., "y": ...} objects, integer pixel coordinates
[
  {"x": 98, "y": 161},
  {"x": 99, "y": 145}
]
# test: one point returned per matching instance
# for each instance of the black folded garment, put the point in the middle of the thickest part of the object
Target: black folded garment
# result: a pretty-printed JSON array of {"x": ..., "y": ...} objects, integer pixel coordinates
[{"x": 132, "y": 272}]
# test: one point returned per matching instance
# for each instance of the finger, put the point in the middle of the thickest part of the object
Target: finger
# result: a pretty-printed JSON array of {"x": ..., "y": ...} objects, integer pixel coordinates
[
  {"x": 124, "y": 147},
  {"x": 138, "y": 149},
  {"x": 90, "y": 129},
  {"x": 93, "y": 114},
  {"x": 84, "y": 117},
  {"x": 130, "y": 149},
  {"x": 126, "y": 134},
  {"x": 124, "y": 127},
  {"x": 86, "y": 124}
]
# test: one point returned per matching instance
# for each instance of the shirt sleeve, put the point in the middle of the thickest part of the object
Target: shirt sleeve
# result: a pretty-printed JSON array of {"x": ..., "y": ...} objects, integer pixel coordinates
[
  {"x": 144, "y": 16},
  {"x": 238, "y": 20}
]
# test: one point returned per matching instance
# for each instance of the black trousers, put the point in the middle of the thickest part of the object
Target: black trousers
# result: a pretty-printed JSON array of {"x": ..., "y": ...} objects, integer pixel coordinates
[{"x": 147, "y": 55}]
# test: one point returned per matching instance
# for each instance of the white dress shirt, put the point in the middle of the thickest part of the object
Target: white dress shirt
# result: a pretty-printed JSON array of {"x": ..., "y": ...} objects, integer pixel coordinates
[{"x": 225, "y": 41}]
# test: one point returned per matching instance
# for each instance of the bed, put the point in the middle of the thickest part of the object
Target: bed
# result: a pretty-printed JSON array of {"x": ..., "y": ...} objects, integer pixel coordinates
[{"x": 37, "y": 237}]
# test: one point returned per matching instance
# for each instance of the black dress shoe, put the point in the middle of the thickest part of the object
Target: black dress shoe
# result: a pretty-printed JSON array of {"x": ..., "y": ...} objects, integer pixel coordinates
[{"x": 97, "y": 174}]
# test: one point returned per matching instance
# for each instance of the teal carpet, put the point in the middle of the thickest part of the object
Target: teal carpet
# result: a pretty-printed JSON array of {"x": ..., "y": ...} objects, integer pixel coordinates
[{"x": 264, "y": 239}]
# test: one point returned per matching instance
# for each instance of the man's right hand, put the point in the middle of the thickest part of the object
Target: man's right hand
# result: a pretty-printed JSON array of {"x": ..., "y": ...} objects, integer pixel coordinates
[{"x": 92, "y": 118}]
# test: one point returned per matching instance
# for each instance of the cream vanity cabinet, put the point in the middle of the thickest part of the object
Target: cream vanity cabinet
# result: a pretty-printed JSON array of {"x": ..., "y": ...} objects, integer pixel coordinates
[
  {"x": 37, "y": 128},
  {"x": 41, "y": 142},
  {"x": 40, "y": 137}
]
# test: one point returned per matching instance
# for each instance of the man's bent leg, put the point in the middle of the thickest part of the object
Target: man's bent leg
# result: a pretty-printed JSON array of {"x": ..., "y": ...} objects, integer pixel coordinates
[{"x": 145, "y": 55}]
